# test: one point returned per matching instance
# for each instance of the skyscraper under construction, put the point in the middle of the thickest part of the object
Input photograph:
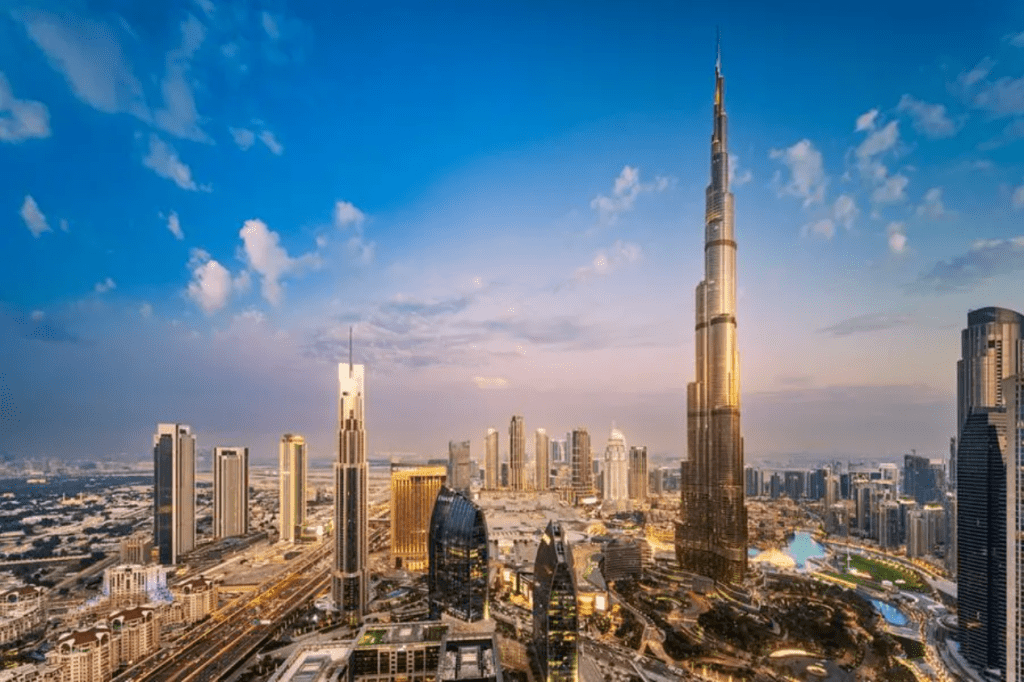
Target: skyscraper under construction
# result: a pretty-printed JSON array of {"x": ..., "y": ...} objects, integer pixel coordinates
[{"x": 711, "y": 533}]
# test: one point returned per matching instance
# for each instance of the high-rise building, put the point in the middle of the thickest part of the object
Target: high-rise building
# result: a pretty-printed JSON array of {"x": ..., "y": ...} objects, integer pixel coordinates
[
  {"x": 638, "y": 473},
  {"x": 413, "y": 492},
  {"x": 492, "y": 469},
  {"x": 1013, "y": 393},
  {"x": 459, "y": 469},
  {"x": 981, "y": 539},
  {"x": 555, "y": 609},
  {"x": 559, "y": 451},
  {"x": 292, "y": 467},
  {"x": 517, "y": 453},
  {"x": 990, "y": 352},
  {"x": 582, "y": 464},
  {"x": 230, "y": 491},
  {"x": 351, "y": 578},
  {"x": 921, "y": 479},
  {"x": 457, "y": 579},
  {"x": 174, "y": 491},
  {"x": 542, "y": 449},
  {"x": 615, "y": 490},
  {"x": 711, "y": 534}
]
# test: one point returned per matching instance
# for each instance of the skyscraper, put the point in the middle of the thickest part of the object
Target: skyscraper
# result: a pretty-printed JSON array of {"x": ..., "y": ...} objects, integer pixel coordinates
[
  {"x": 492, "y": 471},
  {"x": 555, "y": 617},
  {"x": 517, "y": 453},
  {"x": 351, "y": 578},
  {"x": 458, "y": 465},
  {"x": 616, "y": 471},
  {"x": 292, "y": 486},
  {"x": 981, "y": 539},
  {"x": 990, "y": 352},
  {"x": 413, "y": 492},
  {"x": 582, "y": 464},
  {"x": 542, "y": 448},
  {"x": 230, "y": 491},
  {"x": 457, "y": 579},
  {"x": 711, "y": 534},
  {"x": 638, "y": 474},
  {"x": 1013, "y": 393},
  {"x": 174, "y": 491}
]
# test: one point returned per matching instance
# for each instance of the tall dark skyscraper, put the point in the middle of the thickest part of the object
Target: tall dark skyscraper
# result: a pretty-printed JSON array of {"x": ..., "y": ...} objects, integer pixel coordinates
[
  {"x": 458, "y": 557},
  {"x": 351, "y": 577},
  {"x": 555, "y": 619},
  {"x": 711, "y": 533},
  {"x": 517, "y": 453},
  {"x": 174, "y": 491},
  {"x": 981, "y": 541},
  {"x": 582, "y": 464},
  {"x": 990, "y": 352}
]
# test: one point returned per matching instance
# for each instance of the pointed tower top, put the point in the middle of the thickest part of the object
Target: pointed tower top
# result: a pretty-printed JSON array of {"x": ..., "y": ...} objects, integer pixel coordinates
[{"x": 718, "y": 52}]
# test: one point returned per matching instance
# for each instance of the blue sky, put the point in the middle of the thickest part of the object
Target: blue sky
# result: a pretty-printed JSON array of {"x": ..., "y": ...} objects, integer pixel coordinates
[{"x": 506, "y": 201}]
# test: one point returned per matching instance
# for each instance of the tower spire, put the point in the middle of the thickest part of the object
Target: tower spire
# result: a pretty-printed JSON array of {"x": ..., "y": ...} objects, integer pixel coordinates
[
  {"x": 718, "y": 42},
  {"x": 350, "y": 351}
]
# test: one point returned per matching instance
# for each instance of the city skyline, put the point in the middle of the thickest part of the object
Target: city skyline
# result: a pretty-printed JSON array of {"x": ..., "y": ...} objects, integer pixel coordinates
[{"x": 530, "y": 244}]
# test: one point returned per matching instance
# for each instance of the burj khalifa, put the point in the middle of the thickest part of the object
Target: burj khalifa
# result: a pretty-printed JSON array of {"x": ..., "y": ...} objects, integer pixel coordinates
[{"x": 711, "y": 533}]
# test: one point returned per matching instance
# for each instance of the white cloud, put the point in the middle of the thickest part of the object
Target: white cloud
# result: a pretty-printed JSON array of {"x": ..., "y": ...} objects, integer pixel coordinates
[
  {"x": 207, "y": 6},
  {"x": 626, "y": 189},
  {"x": 1003, "y": 97},
  {"x": 891, "y": 191},
  {"x": 866, "y": 121},
  {"x": 21, "y": 119},
  {"x": 243, "y": 137},
  {"x": 269, "y": 259},
  {"x": 897, "y": 237},
  {"x": 1018, "y": 197},
  {"x": 1016, "y": 40},
  {"x": 174, "y": 225},
  {"x": 879, "y": 141},
  {"x": 64, "y": 227},
  {"x": 88, "y": 54},
  {"x": 808, "y": 173},
  {"x": 106, "y": 285},
  {"x": 825, "y": 229},
  {"x": 490, "y": 383},
  {"x": 210, "y": 287},
  {"x": 270, "y": 26},
  {"x": 37, "y": 315},
  {"x": 34, "y": 219},
  {"x": 163, "y": 160},
  {"x": 929, "y": 119},
  {"x": 267, "y": 138},
  {"x": 738, "y": 176},
  {"x": 179, "y": 115},
  {"x": 608, "y": 260},
  {"x": 931, "y": 206},
  {"x": 845, "y": 211},
  {"x": 146, "y": 309},
  {"x": 345, "y": 214},
  {"x": 968, "y": 79}
]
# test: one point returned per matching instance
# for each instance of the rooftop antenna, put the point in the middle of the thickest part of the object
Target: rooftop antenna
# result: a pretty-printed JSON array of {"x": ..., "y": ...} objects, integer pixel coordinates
[{"x": 350, "y": 351}]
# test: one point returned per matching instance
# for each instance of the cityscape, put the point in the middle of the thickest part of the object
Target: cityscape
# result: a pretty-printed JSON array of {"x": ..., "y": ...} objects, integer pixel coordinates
[{"x": 408, "y": 437}]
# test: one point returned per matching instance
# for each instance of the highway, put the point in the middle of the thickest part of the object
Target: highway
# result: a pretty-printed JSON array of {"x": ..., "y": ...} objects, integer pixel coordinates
[{"x": 215, "y": 647}]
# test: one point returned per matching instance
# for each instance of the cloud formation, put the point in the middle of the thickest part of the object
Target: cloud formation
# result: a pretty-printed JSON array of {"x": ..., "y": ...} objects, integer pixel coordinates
[
  {"x": 845, "y": 211},
  {"x": 245, "y": 138},
  {"x": 866, "y": 121},
  {"x": 869, "y": 322},
  {"x": 932, "y": 206},
  {"x": 738, "y": 176},
  {"x": 897, "y": 237},
  {"x": 163, "y": 160},
  {"x": 824, "y": 228},
  {"x": 174, "y": 225},
  {"x": 490, "y": 383},
  {"x": 348, "y": 217},
  {"x": 607, "y": 261},
  {"x": 808, "y": 180},
  {"x": 106, "y": 285},
  {"x": 928, "y": 119},
  {"x": 1017, "y": 198},
  {"x": 211, "y": 284},
  {"x": 985, "y": 260},
  {"x": 21, "y": 119},
  {"x": 891, "y": 190},
  {"x": 265, "y": 255},
  {"x": 179, "y": 116},
  {"x": 625, "y": 191},
  {"x": 34, "y": 219}
]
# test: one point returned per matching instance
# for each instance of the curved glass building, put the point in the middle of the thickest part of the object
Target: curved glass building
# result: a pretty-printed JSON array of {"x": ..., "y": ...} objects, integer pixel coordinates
[
  {"x": 555, "y": 617},
  {"x": 457, "y": 548}
]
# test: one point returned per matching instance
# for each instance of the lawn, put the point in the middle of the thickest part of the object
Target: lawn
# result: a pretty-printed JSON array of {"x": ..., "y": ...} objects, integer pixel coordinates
[{"x": 883, "y": 571}]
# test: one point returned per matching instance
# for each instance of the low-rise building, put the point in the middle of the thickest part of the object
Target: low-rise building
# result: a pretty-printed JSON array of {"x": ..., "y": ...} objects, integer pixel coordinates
[
  {"x": 22, "y": 610},
  {"x": 198, "y": 599},
  {"x": 84, "y": 655},
  {"x": 136, "y": 634}
]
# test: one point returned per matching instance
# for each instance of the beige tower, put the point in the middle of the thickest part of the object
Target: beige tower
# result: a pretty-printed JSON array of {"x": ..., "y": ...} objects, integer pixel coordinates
[
  {"x": 413, "y": 492},
  {"x": 292, "y": 486},
  {"x": 517, "y": 453},
  {"x": 542, "y": 447},
  {"x": 230, "y": 491}
]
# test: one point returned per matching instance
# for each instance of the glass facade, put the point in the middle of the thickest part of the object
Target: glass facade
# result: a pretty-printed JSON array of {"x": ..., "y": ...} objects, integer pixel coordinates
[
  {"x": 555, "y": 611},
  {"x": 458, "y": 557}
]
